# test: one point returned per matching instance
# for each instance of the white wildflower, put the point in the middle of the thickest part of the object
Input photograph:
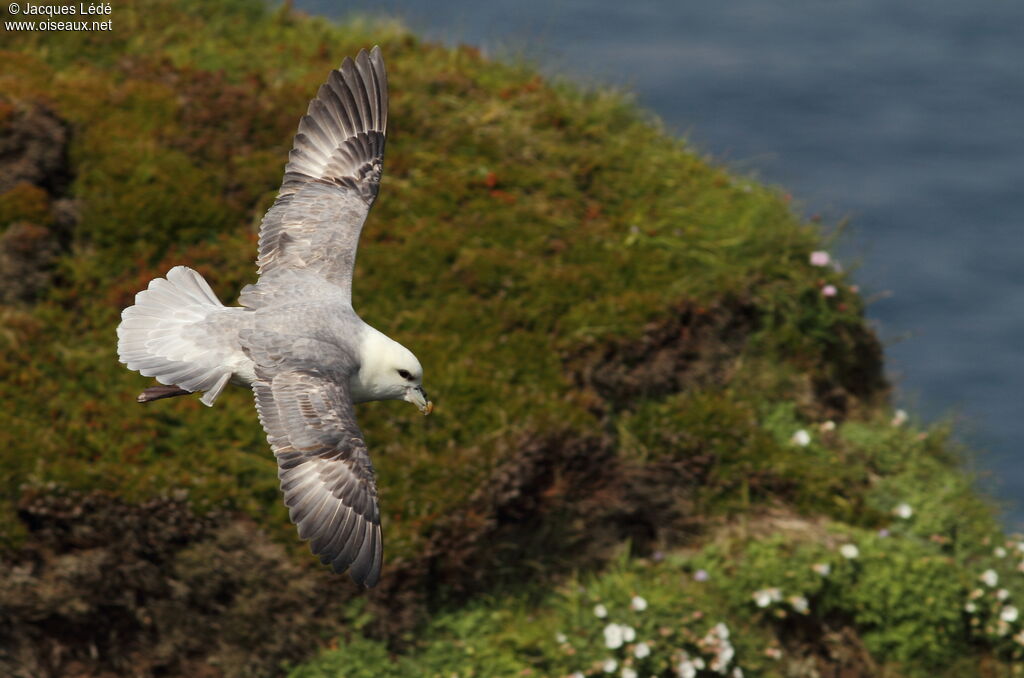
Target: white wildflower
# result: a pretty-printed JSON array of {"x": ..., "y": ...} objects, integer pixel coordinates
[
  {"x": 827, "y": 426},
  {"x": 698, "y": 662},
  {"x": 638, "y": 604},
  {"x": 1002, "y": 594},
  {"x": 1019, "y": 637},
  {"x": 737, "y": 672},
  {"x": 561, "y": 638},
  {"x": 899, "y": 418},
  {"x": 799, "y": 604},
  {"x": 999, "y": 552},
  {"x": 722, "y": 657},
  {"x": 686, "y": 669},
  {"x": 970, "y": 607},
  {"x": 801, "y": 438},
  {"x": 613, "y": 636},
  {"x": 849, "y": 551},
  {"x": 577, "y": 674},
  {"x": 824, "y": 569},
  {"x": 610, "y": 665},
  {"x": 766, "y": 597},
  {"x": 717, "y": 639},
  {"x": 600, "y": 611},
  {"x": 628, "y": 672},
  {"x": 990, "y": 578},
  {"x": 903, "y": 510},
  {"x": 773, "y": 653},
  {"x": 641, "y": 650},
  {"x": 1009, "y": 614},
  {"x": 628, "y": 633}
]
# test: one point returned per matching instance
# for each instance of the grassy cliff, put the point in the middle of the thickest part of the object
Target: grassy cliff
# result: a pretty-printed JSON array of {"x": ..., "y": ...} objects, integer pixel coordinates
[{"x": 646, "y": 390}]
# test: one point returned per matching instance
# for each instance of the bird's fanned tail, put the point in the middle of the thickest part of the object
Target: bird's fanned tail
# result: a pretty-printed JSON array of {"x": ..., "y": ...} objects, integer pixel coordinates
[{"x": 163, "y": 335}]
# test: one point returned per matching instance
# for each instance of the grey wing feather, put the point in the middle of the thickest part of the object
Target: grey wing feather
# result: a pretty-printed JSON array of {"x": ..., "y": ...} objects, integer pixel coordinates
[
  {"x": 325, "y": 471},
  {"x": 332, "y": 176}
]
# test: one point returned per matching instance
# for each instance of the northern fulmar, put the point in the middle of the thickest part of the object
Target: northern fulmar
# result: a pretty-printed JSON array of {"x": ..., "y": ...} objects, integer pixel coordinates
[{"x": 295, "y": 340}]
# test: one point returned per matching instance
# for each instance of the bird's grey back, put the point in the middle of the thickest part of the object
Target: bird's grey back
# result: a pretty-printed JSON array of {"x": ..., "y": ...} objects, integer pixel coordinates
[{"x": 325, "y": 321}]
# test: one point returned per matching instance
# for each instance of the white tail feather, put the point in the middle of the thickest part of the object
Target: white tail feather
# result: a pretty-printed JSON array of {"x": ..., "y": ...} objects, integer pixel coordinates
[{"x": 167, "y": 335}]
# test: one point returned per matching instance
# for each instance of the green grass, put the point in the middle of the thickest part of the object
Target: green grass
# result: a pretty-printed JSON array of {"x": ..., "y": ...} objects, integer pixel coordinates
[
  {"x": 565, "y": 270},
  {"x": 565, "y": 631}
]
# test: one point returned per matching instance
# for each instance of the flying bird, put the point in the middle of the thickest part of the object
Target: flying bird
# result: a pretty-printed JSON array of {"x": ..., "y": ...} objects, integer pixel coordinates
[{"x": 295, "y": 340}]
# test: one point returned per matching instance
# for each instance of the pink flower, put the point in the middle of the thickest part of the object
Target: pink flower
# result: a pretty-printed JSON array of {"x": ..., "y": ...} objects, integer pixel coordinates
[
  {"x": 820, "y": 258},
  {"x": 829, "y": 290}
]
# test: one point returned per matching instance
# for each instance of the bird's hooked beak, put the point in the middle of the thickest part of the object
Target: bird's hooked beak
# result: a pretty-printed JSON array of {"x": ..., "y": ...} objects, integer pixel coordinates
[{"x": 418, "y": 397}]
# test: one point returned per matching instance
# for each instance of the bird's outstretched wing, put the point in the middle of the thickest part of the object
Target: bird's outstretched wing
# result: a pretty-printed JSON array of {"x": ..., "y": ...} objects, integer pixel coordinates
[
  {"x": 331, "y": 179},
  {"x": 326, "y": 475}
]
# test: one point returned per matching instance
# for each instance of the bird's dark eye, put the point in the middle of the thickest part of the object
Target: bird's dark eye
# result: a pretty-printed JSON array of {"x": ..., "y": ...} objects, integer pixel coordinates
[{"x": 404, "y": 375}]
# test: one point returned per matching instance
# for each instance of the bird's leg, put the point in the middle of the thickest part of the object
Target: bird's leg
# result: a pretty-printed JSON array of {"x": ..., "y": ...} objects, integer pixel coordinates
[{"x": 159, "y": 392}]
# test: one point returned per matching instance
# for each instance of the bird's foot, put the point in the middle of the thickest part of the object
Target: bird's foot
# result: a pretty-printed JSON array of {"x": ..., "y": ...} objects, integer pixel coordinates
[{"x": 160, "y": 392}]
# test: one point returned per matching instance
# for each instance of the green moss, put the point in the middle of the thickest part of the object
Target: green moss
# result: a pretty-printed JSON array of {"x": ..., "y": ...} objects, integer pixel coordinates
[{"x": 25, "y": 202}]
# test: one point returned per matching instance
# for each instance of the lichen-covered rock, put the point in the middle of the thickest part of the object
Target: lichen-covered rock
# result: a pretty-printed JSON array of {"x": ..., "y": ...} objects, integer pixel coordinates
[
  {"x": 36, "y": 217},
  {"x": 105, "y": 587},
  {"x": 33, "y": 147}
]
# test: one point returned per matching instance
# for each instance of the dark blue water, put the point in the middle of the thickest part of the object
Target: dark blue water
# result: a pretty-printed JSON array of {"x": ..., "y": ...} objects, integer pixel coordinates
[{"x": 907, "y": 117}]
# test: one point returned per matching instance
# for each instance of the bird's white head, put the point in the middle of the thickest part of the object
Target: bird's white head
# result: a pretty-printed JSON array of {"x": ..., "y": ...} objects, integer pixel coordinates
[{"x": 389, "y": 371}]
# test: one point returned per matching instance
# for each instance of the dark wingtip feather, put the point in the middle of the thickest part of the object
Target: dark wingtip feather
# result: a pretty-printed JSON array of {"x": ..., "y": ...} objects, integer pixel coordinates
[
  {"x": 365, "y": 570},
  {"x": 351, "y": 105}
]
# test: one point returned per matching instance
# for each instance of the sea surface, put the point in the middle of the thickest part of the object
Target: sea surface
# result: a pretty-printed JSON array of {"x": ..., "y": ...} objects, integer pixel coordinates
[{"x": 904, "y": 117}]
